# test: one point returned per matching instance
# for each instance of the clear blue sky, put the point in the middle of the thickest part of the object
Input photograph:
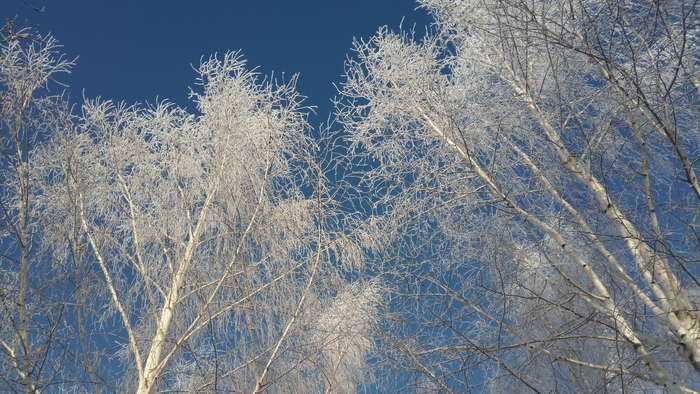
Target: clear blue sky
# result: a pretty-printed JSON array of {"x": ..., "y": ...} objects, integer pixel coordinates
[{"x": 140, "y": 50}]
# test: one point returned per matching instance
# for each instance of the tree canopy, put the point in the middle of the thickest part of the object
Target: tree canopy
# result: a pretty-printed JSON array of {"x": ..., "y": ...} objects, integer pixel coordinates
[{"x": 507, "y": 203}]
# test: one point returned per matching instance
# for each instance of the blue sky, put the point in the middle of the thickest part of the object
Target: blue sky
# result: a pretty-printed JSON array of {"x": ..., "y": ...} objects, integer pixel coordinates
[{"x": 139, "y": 50}]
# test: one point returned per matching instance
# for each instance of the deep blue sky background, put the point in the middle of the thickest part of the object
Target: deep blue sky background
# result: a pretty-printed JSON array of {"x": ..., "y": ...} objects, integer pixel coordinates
[{"x": 139, "y": 50}]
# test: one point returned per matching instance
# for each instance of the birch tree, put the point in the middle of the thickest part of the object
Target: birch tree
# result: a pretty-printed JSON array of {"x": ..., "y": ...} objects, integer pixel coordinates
[
  {"x": 153, "y": 248},
  {"x": 532, "y": 194},
  {"x": 30, "y": 307},
  {"x": 208, "y": 233}
]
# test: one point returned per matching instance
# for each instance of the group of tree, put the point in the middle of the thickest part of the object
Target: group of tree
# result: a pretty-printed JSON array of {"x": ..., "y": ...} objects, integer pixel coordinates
[{"x": 507, "y": 203}]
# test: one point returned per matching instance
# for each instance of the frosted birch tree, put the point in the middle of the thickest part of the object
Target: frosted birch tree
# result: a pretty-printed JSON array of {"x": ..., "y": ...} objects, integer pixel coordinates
[
  {"x": 151, "y": 249},
  {"x": 532, "y": 195},
  {"x": 208, "y": 235},
  {"x": 30, "y": 309}
]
